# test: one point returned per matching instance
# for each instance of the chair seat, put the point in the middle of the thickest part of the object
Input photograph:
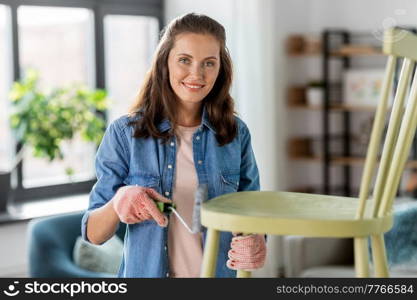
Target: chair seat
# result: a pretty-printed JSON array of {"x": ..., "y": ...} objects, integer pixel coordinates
[{"x": 286, "y": 213}]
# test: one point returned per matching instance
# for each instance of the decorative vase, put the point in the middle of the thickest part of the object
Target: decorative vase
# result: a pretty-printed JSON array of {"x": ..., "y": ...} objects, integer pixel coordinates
[{"x": 315, "y": 96}]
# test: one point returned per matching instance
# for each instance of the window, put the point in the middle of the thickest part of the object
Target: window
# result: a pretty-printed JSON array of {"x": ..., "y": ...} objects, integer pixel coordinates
[
  {"x": 129, "y": 44},
  {"x": 58, "y": 42},
  {"x": 103, "y": 44},
  {"x": 6, "y": 147}
]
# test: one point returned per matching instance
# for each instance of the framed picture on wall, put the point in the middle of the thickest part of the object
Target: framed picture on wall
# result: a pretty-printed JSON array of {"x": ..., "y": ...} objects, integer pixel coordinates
[{"x": 362, "y": 87}]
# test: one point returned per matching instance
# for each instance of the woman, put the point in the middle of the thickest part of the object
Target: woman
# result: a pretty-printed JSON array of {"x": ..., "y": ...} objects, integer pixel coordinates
[{"x": 181, "y": 132}]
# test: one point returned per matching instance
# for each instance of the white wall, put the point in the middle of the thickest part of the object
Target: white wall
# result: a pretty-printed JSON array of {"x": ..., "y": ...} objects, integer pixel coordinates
[
  {"x": 224, "y": 16},
  {"x": 362, "y": 14}
]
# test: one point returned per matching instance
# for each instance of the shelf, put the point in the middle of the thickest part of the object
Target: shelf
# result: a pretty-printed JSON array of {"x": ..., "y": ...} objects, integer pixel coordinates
[
  {"x": 361, "y": 160},
  {"x": 342, "y": 54},
  {"x": 357, "y": 50},
  {"x": 334, "y": 107},
  {"x": 304, "y": 54},
  {"x": 314, "y": 159},
  {"x": 346, "y": 161}
]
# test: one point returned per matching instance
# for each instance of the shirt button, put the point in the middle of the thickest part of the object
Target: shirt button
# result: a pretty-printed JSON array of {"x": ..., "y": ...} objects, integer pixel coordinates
[
  {"x": 166, "y": 248},
  {"x": 166, "y": 193},
  {"x": 172, "y": 144},
  {"x": 167, "y": 274},
  {"x": 200, "y": 162},
  {"x": 169, "y": 166},
  {"x": 197, "y": 138}
]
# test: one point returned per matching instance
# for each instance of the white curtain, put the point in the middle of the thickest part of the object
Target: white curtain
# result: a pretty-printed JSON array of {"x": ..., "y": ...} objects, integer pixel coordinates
[{"x": 256, "y": 89}]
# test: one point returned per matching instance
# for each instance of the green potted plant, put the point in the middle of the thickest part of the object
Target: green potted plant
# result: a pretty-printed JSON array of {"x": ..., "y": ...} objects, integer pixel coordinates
[{"x": 42, "y": 121}]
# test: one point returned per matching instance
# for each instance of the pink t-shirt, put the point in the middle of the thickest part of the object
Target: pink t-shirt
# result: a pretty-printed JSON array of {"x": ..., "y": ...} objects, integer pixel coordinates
[{"x": 185, "y": 249}]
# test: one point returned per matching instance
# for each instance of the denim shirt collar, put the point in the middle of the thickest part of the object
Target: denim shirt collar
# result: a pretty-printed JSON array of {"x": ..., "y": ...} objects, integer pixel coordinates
[{"x": 165, "y": 124}]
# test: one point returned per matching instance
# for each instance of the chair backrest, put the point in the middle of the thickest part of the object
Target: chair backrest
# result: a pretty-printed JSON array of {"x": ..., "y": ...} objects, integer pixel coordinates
[{"x": 401, "y": 126}]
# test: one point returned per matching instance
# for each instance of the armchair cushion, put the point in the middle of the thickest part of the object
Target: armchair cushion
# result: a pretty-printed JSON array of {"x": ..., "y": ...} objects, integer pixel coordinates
[{"x": 99, "y": 258}]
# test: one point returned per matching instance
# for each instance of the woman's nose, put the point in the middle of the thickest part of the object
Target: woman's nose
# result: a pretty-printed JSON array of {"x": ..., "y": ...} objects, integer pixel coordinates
[{"x": 197, "y": 70}]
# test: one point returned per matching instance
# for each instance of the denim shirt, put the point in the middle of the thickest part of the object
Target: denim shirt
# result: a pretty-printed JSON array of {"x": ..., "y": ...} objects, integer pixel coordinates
[{"x": 124, "y": 160}]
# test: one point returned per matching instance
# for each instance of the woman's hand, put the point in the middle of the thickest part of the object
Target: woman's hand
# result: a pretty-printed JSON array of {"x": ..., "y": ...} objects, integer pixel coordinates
[
  {"x": 134, "y": 204},
  {"x": 248, "y": 252}
]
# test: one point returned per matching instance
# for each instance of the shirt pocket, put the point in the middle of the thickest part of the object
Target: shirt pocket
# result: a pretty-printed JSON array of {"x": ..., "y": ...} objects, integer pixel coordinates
[
  {"x": 144, "y": 180},
  {"x": 229, "y": 181}
]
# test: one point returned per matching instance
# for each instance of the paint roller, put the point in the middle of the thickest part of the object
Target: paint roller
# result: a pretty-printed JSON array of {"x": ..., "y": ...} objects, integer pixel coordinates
[{"x": 201, "y": 195}]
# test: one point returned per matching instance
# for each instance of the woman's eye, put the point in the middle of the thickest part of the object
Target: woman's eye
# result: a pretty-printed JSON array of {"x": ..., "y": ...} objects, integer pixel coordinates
[
  {"x": 209, "y": 64},
  {"x": 184, "y": 60}
]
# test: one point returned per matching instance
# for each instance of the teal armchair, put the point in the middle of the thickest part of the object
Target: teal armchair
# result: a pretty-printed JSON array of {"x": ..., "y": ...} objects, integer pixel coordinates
[{"x": 51, "y": 243}]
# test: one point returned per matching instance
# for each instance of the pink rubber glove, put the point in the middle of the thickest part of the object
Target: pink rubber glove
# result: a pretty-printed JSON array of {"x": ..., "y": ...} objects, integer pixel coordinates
[
  {"x": 134, "y": 204},
  {"x": 248, "y": 252}
]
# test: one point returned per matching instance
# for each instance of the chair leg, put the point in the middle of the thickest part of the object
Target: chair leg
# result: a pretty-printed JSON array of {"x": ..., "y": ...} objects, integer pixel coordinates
[
  {"x": 379, "y": 256},
  {"x": 243, "y": 274},
  {"x": 361, "y": 257},
  {"x": 210, "y": 253}
]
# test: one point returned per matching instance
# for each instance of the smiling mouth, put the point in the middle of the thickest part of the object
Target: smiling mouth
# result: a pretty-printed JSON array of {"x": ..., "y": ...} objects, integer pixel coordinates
[{"x": 193, "y": 86}]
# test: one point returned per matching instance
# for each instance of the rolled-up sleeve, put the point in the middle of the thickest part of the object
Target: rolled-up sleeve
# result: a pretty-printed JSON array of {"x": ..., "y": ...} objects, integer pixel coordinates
[
  {"x": 112, "y": 167},
  {"x": 249, "y": 175}
]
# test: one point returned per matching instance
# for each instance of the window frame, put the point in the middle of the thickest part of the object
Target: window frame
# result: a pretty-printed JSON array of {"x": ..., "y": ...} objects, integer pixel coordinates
[{"x": 99, "y": 8}]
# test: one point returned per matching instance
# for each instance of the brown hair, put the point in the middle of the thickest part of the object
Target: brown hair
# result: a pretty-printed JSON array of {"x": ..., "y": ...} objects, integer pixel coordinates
[{"x": 156, "y": 99}]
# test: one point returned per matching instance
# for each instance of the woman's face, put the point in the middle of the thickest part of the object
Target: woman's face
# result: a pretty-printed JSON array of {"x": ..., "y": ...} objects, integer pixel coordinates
[{"x": 193, "y": 65}]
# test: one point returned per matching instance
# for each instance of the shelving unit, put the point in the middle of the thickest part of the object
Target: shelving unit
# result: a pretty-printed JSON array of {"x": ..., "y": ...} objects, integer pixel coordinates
[
  {"x": 336, "y": 45},
  {"x": 329, "y": 52},
  {"x": 299, "y": 148}
]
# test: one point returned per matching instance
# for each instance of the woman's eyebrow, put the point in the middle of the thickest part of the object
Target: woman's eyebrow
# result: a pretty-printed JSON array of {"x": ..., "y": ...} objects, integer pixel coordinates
[{"x": 188, "y": 55}]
